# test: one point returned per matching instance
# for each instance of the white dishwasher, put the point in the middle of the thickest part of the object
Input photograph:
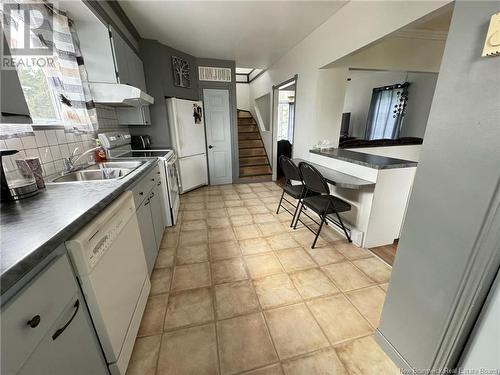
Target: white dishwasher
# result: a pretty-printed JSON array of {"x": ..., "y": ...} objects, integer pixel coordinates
[{"x": 108, "y": 257}]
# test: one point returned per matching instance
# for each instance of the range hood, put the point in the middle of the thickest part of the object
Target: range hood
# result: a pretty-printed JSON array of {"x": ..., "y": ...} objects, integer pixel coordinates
[{"x": 119, "y": 95}]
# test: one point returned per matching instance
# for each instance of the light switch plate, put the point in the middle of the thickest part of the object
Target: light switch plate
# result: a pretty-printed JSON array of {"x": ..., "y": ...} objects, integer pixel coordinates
[{"x": 492, "y": 43}]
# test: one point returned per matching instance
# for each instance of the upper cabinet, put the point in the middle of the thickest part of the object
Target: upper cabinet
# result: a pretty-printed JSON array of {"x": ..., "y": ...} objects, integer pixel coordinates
[{"x": 128, "y": 65}]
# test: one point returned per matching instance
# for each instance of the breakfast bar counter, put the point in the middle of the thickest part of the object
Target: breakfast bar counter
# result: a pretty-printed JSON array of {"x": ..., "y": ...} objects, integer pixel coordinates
[{"x": 376, "y": 186}]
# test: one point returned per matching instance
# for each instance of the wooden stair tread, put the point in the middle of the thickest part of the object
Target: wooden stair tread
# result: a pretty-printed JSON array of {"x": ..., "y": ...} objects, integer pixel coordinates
[
  {"x": 256, "y": 151},
  {"x": 255, "y": 170},
  {"x": 250, "y": 143},
  {"x": 253, "y": 160},
  {"x": 246, "y": 136},
  {"x": 247, "y": 128}
]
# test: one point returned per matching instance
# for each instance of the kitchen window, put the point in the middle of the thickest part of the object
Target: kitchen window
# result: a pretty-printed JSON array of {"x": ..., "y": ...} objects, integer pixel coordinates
[
  {"x": 52, "y": 74},
  {"x": 42, "y": 104}
]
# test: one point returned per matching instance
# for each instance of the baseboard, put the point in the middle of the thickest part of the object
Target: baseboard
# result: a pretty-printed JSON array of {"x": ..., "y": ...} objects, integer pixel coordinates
[{"x": 393, "y": 354}]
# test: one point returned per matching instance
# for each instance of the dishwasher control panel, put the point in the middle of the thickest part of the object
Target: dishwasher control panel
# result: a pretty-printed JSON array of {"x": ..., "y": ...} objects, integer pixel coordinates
[{"x": 90, "y": 244}]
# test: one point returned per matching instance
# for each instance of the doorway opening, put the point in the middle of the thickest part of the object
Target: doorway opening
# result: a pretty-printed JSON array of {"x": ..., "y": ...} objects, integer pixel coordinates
[{"x": 284, "y": 122}]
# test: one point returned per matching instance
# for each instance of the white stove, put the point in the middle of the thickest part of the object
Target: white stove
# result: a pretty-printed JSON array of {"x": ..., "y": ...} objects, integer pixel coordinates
[{"x": 118, "y": 145}]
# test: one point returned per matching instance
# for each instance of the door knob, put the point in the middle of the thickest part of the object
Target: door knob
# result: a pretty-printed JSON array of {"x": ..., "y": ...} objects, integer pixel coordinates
[{"x": 210, "y": 146}]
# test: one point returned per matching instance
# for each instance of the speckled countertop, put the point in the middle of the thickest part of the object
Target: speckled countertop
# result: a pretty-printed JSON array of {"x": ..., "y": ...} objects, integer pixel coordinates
[
  {"x": 32, "y": 228},
  {"x": 366, "y": 160}
]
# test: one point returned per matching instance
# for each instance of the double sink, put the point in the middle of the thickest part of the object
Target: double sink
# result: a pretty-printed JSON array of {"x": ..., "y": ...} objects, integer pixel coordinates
[{"x": 109, "y": 170}]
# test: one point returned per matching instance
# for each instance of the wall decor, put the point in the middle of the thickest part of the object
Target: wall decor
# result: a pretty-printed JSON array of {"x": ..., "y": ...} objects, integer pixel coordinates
[
  {"x": 492, "y": 43},
  {"x": 181, "y": 71}
]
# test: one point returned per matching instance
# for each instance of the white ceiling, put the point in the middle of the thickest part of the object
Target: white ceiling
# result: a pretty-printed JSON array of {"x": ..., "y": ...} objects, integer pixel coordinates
[{"x": 253, "y": 33}]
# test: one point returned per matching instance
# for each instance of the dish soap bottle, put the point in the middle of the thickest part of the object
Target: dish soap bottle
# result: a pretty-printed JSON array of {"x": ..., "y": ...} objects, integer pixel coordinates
[{"x": 100, "y": 153}]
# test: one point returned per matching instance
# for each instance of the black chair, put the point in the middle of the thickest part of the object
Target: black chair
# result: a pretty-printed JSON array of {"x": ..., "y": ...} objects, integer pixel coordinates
[
  {"x": 322, "y": 203},
  {"x": 298, "y": 191}
]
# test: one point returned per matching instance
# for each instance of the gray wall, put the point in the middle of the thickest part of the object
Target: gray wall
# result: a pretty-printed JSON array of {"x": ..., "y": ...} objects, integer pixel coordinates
[
  {"x": 263, "y": 103},
  {"x": 157, "y": 60},
  {"x": 231, "y": 86},
  {"x": 456, "y": 182},
  {"x": 359, "y": 93}
]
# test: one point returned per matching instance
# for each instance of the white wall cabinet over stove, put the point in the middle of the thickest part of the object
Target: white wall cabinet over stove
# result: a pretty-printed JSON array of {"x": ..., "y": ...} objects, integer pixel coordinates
[{"x": 46, "y": 328}]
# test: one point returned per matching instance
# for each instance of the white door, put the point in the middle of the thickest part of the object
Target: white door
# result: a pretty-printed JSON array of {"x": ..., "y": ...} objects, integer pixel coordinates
[{"x": 218, "y": 126}]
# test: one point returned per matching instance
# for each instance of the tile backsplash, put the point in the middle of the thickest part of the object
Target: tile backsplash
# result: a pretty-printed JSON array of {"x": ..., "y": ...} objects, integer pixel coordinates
[{"x": 52, "y": 146}]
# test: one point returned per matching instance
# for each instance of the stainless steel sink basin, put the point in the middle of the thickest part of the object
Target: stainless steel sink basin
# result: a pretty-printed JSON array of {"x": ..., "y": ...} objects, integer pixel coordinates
[
  {"x": 115, "y": 164},
  {"x": 111, "y": 170}
]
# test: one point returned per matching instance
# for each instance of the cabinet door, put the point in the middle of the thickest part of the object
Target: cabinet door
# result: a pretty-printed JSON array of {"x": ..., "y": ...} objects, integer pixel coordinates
[
  {"x": 74, "y": 351},
  {"x": 157, "y": 209},
  {"x": 146, "y": 115},
  {"x": 147, "y": 233},
  {"x": 139, "y": 73},
  {"x": 122, "y": 55}
]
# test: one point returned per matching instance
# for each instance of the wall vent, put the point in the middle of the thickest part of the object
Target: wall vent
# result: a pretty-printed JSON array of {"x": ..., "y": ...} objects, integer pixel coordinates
[{"x": 207, "y": 73}]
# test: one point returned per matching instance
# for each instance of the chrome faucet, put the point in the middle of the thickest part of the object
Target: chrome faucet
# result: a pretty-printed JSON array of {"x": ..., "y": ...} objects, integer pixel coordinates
[{"x": 69, "y": 163}]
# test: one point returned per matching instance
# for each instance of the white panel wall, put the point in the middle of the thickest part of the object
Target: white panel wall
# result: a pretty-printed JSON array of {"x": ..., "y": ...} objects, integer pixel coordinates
[{"x": 243, "y": 96}]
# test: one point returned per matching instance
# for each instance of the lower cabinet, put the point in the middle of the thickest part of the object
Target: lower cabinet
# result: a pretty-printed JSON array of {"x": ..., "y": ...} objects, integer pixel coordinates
[
  {"x": 46, "y": 327},
  {"x": 150, "y": 214},
  {"x": 157, "y": 213},
  {"x": 146, "y": 227},
  {"x": 74, "y": 351}
]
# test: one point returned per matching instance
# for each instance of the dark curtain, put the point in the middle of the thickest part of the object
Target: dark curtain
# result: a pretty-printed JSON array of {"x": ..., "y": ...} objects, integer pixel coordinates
[{"x": 386, "y": 112}]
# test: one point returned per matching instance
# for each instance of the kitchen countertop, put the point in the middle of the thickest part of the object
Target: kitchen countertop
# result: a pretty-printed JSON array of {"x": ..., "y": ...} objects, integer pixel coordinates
[
  {"x": 32, "y": 228},
  {"x": 366, "y": 160},
  {"x": 337, "y": 178}
]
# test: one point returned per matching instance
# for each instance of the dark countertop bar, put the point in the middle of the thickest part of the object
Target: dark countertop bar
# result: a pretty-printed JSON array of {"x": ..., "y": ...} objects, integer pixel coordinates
[
  {"x": 366, "y": 160},
  {"x": 33, "y": 228},
  {"x": 337, "y": 178}
]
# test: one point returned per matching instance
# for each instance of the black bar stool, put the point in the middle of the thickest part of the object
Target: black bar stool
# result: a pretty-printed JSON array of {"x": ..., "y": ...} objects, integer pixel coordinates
[
  {"x": 298, "y": 191},
  {"x": 322, "y": 203}
]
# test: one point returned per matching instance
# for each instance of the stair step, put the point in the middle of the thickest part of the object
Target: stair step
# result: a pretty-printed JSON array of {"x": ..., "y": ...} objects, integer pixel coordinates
[
  {"x": 244, "y": 114},
  {"x": 250, "y": 143},
  {"x": 246, "y": 121},
  {"x": 247, "y": 128},
  {"x": 255, "y": 170},
  {"x": 262, "y": 178},
  {"x": 257, "y": 151},
  {"x": 248, "y": 136},
  {"x": 253, "y": 160}
]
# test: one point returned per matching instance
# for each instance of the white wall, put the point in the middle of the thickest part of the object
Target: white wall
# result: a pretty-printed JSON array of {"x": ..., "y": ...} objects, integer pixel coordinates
[
  {"x": 319, "y": 98},
  {"x": 243, "y": 96},
  {"x": 359, "y": 93}
]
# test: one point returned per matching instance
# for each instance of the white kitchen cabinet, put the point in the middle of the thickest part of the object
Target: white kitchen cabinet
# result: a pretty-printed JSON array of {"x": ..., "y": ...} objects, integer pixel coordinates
[
  {"x": 149, "y": 202},
  {"x": 133, "y": 115},
  {"x": 157, "y": 212},
  {"x": 46, "y": 328},
  {"x": 146, "y": 227}
]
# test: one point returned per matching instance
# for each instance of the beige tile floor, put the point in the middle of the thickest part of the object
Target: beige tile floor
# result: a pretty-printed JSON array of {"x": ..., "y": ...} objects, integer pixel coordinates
[{"x": 236, "y": 291}]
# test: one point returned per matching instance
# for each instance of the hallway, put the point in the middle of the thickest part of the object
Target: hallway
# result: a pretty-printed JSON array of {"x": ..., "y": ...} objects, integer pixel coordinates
[{"x": 235, "y": 290}]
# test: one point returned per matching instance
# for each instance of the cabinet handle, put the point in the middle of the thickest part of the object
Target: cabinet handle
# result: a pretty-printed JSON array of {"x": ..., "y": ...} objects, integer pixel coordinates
[
  {"x": 152, "y": 179},
  {"x": 62, "y": 329},
  {"x": 147, "y": 201},
  {"x": 152, "y": 195},
  {"x": 34, "y": 322},
  {"x": 141, "y": 193},
  {"x": 159, "y": 183}
]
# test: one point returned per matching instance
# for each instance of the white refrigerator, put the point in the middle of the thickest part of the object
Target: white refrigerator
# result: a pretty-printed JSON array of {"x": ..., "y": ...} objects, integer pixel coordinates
[{"x": 187, "y": 131}]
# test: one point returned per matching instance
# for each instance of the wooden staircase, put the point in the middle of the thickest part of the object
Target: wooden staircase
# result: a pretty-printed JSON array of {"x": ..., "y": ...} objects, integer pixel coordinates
[{"x": 254, "y": 164}]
